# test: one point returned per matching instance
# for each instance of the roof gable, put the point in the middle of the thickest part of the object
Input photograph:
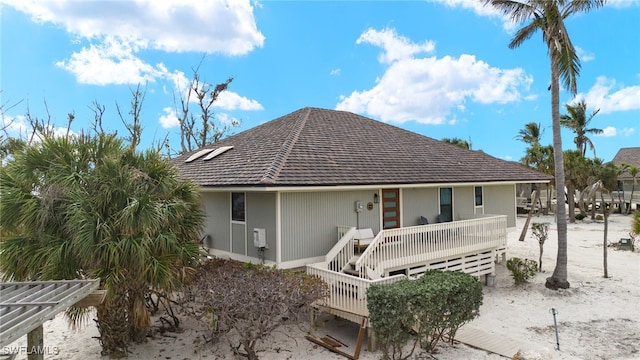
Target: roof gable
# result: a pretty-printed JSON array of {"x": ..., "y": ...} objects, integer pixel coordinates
[{"x": 319, "y": 147}]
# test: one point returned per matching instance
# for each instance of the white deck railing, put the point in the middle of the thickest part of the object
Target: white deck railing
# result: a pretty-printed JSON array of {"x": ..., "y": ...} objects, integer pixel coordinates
[
  {"x": 400, "y": 248},
  {"x": 397, "y": 248},
  {"x": 348, "y": 293},
  {"x": 338, "y": 257}
]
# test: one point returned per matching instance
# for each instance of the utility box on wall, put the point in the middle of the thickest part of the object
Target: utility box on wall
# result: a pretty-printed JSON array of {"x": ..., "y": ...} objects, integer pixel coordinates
[{"x": 259, "y": 238}]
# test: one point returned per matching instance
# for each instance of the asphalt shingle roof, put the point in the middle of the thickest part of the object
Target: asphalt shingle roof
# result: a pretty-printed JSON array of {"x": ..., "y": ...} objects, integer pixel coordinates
[
  {"x": 629, "y": 156},
  {"x": 319, "y": 147}
]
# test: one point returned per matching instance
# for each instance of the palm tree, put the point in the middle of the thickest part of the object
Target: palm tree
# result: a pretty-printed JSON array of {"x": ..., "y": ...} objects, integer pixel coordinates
[
  {"x": 633, "y": 171},
  {"x": 548, "y": 16},
  {"x": 458, "y": 142},
  {"x": 578, "y": 122},
  {"x": 90, "y": 207},
  {"x": 531, "y": 133}
]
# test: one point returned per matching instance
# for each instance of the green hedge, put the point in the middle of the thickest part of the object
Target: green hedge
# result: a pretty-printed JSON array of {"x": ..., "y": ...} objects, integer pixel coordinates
[{"x": 426, "y": 310}]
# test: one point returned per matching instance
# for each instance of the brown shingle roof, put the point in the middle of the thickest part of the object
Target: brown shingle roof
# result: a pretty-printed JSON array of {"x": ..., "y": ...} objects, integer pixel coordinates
[
  {"x": 319, "y": 147},
  {"x": 629, "y": 156}
]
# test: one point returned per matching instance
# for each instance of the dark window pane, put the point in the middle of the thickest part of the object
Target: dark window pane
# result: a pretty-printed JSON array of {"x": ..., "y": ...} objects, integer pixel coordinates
[
  {"x": 237, "y": 206},
  {"x": 478, "y": 191}
]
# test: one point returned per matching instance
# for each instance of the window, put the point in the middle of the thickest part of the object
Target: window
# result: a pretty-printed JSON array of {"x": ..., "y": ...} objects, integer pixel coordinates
[
  {"x": 237, "y": 207},
  {"x": 478, "y": 195},
  {"x": 446, "y": 205}
]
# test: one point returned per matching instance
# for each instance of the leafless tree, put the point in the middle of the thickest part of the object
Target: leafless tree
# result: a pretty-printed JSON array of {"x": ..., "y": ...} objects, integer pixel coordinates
[{"x": 201, "y": 129}]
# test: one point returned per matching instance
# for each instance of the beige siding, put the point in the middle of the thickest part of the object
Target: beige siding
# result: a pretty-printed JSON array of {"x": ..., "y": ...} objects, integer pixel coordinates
[
  {"x": 463, "y": 201},
  {"x": 418, "y": 202},
  {"x": 218, "y": 217},
  {"x": 309, "y": 220},
  {"x": 500, "y": 199}
]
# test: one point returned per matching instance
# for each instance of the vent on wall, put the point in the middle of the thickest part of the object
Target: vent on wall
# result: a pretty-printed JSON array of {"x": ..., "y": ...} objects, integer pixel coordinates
[{"x": 217, "y": 152}]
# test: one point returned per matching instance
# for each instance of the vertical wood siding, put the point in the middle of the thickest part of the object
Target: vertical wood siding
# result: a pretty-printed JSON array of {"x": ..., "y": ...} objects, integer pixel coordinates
[{"x": 309, "y": 220}]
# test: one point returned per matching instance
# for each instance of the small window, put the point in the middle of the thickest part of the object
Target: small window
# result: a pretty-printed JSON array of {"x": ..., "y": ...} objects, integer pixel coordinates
[
  {"x": 478, "y": 194},
  {"x": 237, "y": 207}
]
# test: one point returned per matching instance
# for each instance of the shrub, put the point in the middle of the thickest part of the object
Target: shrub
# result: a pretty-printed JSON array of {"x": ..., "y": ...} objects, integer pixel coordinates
[
  {"x": 434, "y": 306},
  {"x": 246, "y": 303},
  {"x": 580, "y": 216},
  {"x": 521, "y": 270}
]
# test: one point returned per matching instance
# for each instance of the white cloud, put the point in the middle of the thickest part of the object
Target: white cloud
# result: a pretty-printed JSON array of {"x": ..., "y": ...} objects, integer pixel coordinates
[
  {"x": 334, "y": 72},
  {"x": 117, "y": 31},
  {"x": 214, "y": 26},
  {"x": 628, "y": 131},
  {"x": 111, "y": 62},
  {"x": 609, "y": 131},
  {"x": 169, "y": 119},
  {"x": 608, "y": 96},
  {"x": 427, "y": 89},
  {"x": 479, "y": 8},
  {"x": 229, "y": 100},
  {"x": 584, "y": 55},
  {"x": 395, "y": 47}
]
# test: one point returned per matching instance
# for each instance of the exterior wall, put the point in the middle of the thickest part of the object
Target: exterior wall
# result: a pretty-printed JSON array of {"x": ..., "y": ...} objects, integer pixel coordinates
[
  {"x": 261, "y": 213},
  {"x": 418, "y": 202},
  {"x": 217, "y": 207},
  {"x": 497, "y": 200},
  {"x": 500, "y": 199},
  {"x": 463, "y": 201},
  {"x": 309, "y": 220}
]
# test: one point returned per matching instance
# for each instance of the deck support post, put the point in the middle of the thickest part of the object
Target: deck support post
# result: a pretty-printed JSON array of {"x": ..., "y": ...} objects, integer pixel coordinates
[
  {"x": 35, "y": 344},
  {"x": 371, "y": 340},
  {"x": 490, "y": 280}
]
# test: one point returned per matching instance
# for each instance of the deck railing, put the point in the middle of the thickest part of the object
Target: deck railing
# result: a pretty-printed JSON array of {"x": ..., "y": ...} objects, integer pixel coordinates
[
  {"x": 338, "y": 257},
  {"x": 396, "y": 248},
  {"x": 348, "y": 293}
]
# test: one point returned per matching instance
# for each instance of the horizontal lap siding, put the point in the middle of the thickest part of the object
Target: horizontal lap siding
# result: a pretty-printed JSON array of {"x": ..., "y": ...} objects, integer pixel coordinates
[{"x": 309, "y": 220}]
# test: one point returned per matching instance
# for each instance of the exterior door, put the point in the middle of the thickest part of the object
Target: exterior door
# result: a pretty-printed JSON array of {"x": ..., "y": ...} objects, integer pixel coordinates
[{"x": 390, "y": 208}]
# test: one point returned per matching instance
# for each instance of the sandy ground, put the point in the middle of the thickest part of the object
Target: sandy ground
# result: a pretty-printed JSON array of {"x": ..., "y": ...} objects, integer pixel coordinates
[{"x": 598, "y": 318}]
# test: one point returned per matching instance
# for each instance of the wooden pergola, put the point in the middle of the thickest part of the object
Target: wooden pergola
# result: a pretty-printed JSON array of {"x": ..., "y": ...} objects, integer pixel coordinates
[{"x": 25, "y": 306}]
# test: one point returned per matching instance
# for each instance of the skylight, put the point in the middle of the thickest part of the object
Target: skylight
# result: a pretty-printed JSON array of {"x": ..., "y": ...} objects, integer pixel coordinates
[
  {"x": 218, "y": 151},
  {"x": 198, "y": 154}
]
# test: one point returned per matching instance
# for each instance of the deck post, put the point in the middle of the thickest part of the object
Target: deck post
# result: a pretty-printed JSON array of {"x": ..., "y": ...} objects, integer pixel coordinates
[
  {"x": 371, "y": 339},
  {"x": 490, "y": 280},
  {"x": 35, "y": 344}
]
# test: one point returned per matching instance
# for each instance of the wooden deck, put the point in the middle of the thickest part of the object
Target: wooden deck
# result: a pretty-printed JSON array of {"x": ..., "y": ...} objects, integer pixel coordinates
[{"x": 497, "y": 344}]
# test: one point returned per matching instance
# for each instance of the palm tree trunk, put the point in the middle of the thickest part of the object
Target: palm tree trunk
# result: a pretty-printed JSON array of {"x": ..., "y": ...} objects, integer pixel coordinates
[
  {"x": 605, "y": 214},
  {"x": 536, "y": 196},
  {"x": 572, "y": 202},
  {"x": 559, "y": 277},
  {"x": 113, "y": 324}
]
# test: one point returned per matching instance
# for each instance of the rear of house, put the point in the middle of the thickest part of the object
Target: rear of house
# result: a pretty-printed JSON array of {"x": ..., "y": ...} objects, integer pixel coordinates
[{"x": 279, "y": 193}]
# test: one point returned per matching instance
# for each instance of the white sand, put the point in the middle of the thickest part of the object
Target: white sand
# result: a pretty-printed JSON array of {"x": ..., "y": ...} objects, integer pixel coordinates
[{"x": 597, "y": 318}]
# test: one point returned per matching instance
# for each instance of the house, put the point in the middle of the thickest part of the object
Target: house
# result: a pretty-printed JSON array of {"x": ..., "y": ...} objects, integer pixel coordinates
[
  {"x": 626, "y": 181},
  {"x": 306, "y": 188}
]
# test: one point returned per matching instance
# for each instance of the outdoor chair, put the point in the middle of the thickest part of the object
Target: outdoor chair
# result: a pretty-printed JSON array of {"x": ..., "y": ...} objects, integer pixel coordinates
[
  {"x": 363, "y": 238},
  {"x": 424, "y": 220}
]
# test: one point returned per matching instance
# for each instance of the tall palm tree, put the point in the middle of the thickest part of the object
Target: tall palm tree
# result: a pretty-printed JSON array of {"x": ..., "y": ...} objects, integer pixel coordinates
[
  {"x": 576, "y": 119},
  {"x": 89, "y": 207},
  {"x": 548, "y": 16},
  {"x": 531, "y": 133}
]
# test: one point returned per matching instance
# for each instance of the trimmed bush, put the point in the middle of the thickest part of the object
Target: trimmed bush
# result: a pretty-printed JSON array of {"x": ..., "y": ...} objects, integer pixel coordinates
[
  {"x": 522, "y": 270},
  {"x": 433, "y": 308}
]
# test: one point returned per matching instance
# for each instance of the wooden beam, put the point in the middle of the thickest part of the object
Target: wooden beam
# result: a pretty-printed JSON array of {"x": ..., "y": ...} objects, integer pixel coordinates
[
  {"x": 94, "y": 299},
  {"x": 35, "y": 344}
]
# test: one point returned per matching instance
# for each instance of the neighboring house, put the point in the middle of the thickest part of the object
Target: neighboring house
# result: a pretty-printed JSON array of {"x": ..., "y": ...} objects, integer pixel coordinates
[
  {"x": 629, "y": 156},
  {"x": 628, "y": 185}
]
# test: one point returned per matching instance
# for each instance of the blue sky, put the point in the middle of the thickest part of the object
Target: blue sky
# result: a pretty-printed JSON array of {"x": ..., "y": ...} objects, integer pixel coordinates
[{"x": 440, "y": 68}]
